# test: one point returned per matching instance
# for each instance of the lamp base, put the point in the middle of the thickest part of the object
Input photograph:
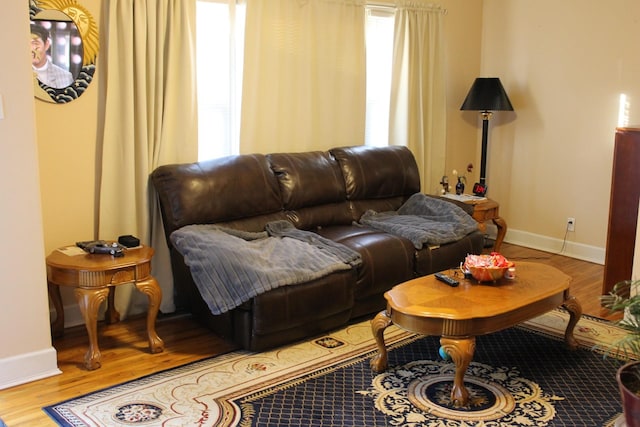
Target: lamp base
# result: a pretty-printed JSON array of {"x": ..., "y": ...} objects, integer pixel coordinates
[{"x": 479, "y": 189}]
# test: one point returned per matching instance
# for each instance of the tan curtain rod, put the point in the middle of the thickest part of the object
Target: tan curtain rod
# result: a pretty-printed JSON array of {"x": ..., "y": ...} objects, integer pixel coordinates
[{"x": 409, "y": 5}]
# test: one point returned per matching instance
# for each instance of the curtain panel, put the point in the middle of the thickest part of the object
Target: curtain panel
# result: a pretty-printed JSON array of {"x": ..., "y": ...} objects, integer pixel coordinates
[
  {"x": 149, "y": 119},
  {"x": 304, "y": 75},
  {"x": 417, "y": 117}
]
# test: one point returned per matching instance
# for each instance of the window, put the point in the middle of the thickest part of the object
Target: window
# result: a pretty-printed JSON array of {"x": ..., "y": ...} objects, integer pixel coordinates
[
  {"x": 379, "y": 39},
  {"x": 219, "y": 41}
]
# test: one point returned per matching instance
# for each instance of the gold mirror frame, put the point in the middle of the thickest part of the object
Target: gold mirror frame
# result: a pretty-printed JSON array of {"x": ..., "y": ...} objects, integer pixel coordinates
[{"x": 40, "y": 10}]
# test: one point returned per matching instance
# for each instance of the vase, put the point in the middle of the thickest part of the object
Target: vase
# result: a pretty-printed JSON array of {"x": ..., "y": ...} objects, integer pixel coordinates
[
  {"x": 459, "y": 187},
  {"x": 628, "y": 378}
]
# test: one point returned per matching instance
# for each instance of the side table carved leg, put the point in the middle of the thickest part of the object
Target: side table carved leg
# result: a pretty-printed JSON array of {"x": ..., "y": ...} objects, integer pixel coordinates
[
  {"x": 111, "y": 315},
  {"x": 461, "y": 351},
  {"x": 57, "y": 326},
  {"x": 379, "y": 362},
  {"x": 574, "y": 308},
  {"x": 502, "y": 230},
  {"x": 150, "y": 287},
  {"x": 89, "y": 301}
]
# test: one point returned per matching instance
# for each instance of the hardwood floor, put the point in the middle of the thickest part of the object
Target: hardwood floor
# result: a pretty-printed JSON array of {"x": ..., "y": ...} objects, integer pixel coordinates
[
  {"x": 125, "y": 353},
  {"x": 587, "y": 277}
]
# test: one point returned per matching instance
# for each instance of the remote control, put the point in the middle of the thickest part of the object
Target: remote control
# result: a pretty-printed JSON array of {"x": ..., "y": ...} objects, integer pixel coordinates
[{"x": 446, "y": 279}]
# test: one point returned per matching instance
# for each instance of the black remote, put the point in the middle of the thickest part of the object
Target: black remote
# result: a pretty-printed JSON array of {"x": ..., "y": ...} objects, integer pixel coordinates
[{"x": 447, "y": 279}]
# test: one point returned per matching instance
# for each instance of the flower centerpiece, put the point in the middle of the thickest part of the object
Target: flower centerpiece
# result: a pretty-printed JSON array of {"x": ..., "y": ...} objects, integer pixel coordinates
[{"x": 486, "y": 268}]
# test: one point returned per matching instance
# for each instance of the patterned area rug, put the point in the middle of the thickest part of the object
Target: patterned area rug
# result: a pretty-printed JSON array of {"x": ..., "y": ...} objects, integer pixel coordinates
[{"x": 523, "y": 376}]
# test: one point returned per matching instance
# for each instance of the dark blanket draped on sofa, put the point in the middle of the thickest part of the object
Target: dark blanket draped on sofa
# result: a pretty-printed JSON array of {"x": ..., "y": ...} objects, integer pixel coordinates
[
  {"x": 231, "y": 267},
  {"x": 424, "y": 220}
]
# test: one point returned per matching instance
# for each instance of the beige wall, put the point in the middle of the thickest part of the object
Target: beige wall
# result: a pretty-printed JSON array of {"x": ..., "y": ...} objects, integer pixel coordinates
[
  {"x": 26, "y": 352},
  {"x": 463, "y": 25},
  {"x": 67, "y": 148},
  {"x": 67, "y": 151},
  {"x": 564, "y": 65}
]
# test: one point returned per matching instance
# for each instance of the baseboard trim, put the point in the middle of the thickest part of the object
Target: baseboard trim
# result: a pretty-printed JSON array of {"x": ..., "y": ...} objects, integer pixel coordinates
[
  {"x": 28, "y": 367},
  {"x": 549, "y": 244}
]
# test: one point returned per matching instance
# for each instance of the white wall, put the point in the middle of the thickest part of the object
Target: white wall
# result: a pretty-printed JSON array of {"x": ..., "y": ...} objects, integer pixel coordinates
[
  {"x": 564, "y": 65},
  {"x": 26, "y": 352}
]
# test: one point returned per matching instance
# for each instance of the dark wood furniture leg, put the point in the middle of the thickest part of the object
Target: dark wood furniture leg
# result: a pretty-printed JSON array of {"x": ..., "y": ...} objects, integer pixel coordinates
[{"x": 57, "y": 326}]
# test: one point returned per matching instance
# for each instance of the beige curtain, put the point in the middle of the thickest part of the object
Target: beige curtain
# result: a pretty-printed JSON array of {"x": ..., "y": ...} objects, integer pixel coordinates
[
  {"x": 149, "y": 119},
  {"x": 304, "y": 75},
  {"x": 418, "y": 103}
]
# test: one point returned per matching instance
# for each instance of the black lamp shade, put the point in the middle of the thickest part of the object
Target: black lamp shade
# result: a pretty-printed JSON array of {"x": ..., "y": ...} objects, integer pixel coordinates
[{"x": 487, "y": 94}]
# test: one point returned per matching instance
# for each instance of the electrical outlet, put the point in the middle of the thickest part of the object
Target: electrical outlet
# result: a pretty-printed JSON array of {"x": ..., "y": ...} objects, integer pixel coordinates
[{"x": 571, "y": 224}]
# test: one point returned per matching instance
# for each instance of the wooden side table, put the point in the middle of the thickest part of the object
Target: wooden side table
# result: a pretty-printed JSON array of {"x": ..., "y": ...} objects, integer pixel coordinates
[
  {"x": 489, "y": 210},
  {"x": 94, "y": 277}
]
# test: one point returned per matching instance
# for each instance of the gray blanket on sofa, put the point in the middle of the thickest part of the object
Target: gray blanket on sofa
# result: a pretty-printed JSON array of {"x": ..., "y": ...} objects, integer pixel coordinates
[
  {"x": 423, "y": 220},
  {"x": 230, "y": 267}
]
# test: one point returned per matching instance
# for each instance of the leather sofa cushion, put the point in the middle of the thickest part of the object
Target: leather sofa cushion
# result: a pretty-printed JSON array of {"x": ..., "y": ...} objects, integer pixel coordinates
[
  {"x": 312, "y": 188},
  {"x": 319, "y": 216},
  {"x": 378, "y": 173},
  {"x": 386, "y": 259},
  {"x": 290, "y": 306},
  {"x": 217, "y": 191},
  {"x": 307, "y": 179}
]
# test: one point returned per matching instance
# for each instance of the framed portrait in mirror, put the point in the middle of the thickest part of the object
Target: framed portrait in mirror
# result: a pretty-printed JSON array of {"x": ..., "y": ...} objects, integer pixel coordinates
[{"x": 63, "y": 49}]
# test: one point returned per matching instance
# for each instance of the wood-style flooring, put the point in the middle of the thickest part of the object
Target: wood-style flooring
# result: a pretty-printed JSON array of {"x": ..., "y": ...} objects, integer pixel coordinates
[{"x": 125, "y": 354}]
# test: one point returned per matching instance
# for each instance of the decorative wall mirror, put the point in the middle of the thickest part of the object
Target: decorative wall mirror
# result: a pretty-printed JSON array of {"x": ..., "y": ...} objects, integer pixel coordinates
[{"x": 64, "y": 45}]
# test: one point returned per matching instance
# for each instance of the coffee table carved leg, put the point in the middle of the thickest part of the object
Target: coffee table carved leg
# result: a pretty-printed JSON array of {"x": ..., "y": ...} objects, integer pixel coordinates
[
  {"x": 461, "y": 352},
  {"x": 574, "y": 308},
  {"x": 57, "y": 326},
  {"x": 379, "y": 362},
  {"x": 89, "y": 301},
  {"x": 150, "y": 288}
]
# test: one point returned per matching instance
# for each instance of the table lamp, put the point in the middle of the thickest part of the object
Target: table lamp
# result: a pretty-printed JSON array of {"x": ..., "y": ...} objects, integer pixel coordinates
[{"x": 486, "y": 95}]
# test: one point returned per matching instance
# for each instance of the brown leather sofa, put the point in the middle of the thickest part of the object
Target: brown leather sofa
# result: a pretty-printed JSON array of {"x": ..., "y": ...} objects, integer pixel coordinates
[{"x": 324, "y": 192}]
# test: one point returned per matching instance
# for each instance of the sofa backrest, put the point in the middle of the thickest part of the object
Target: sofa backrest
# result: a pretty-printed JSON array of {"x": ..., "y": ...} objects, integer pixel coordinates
[
  {"x": 239, "y": 191},
  {"x": 377, "y": 178},
  {"x": 312, "y": 188}
]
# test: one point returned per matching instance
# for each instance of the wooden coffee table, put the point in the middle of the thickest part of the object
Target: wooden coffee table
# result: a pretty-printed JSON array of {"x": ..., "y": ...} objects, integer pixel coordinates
[
  {"x": 94, "y": 277},
  {"x": 459, "y": 314}
]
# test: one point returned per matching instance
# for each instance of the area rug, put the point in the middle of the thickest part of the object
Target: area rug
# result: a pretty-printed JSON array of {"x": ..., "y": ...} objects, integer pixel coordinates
[{"x": 522, "y": 376}]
